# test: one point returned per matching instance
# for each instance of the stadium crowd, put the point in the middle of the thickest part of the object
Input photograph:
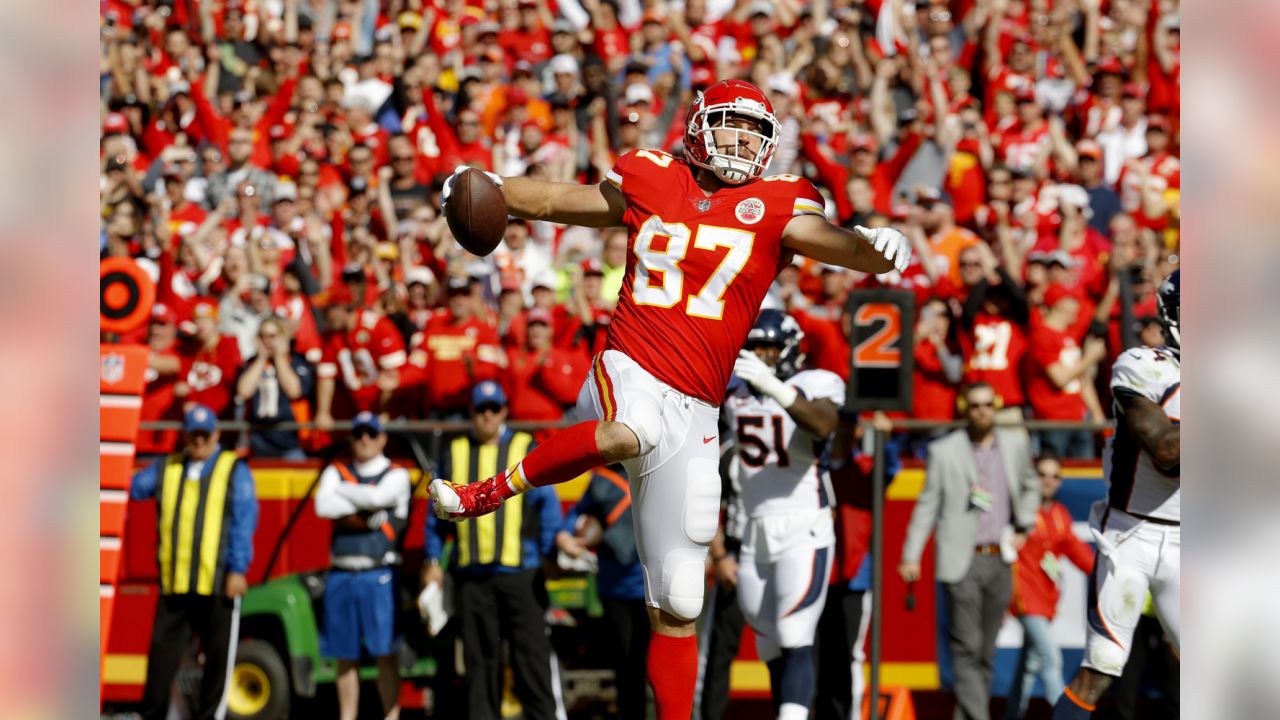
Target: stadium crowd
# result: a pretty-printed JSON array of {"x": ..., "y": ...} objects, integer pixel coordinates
[{"x": 276, "y": 166}]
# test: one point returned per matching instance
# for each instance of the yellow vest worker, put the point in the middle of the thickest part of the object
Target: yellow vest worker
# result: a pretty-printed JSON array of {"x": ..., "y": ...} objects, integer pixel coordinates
[{"x": 207, "y": 511}]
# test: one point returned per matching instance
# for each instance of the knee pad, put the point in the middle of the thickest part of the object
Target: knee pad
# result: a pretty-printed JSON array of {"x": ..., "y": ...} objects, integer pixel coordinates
[
  {"x": 644, "y": 418},
  {"x": 683, "y": 582},
  {"x": 702, "y": 501}
]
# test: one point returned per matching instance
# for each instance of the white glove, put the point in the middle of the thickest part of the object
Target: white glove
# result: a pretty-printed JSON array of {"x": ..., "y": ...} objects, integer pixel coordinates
[
  {"x": 431, "y": 608},
  {"x": 760, "y": 376},
  {"x": 448, "y": 183},
  {"x": 890, "y": 243}
]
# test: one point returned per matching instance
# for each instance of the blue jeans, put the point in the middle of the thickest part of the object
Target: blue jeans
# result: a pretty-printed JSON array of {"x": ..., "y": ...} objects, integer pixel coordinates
[{"x": 1039, "y": 656}]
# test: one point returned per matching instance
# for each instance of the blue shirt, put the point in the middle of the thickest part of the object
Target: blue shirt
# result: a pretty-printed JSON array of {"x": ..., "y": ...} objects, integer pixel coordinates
[
  {"x": 243, "y": 509},
  {"x": 620, "y": 575}
]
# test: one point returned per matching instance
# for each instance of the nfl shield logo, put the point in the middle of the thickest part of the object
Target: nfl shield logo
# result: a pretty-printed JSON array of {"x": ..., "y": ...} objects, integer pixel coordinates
[
  {"x": 112, "y": 368},
  {"x": 703, "y": 205}
]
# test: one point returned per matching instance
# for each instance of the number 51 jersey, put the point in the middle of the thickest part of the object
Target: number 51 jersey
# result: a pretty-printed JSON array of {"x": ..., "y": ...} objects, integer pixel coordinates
[
  {"x": 778, "y": 469},
  {"x": 698, "y": 267}
]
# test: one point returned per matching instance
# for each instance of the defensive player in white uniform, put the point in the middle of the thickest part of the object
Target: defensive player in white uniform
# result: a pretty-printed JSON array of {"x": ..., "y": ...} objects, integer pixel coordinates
[
  {"x": 782, "y": 420},
  {"x": 1137, "y": 527}
]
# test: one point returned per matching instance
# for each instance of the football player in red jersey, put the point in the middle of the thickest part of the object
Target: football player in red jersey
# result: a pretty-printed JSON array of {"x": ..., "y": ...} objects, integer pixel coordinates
[{"x": 708, "y": 234}]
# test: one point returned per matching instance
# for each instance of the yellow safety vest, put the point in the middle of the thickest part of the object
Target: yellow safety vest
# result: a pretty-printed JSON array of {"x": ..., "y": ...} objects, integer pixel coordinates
[
  {"x": 496, "y": 537},
  {"x": 192, "y": 524}
]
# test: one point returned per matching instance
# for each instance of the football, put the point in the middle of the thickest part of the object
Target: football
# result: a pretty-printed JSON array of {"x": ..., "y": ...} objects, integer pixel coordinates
[{"x": 476, "y": 212}]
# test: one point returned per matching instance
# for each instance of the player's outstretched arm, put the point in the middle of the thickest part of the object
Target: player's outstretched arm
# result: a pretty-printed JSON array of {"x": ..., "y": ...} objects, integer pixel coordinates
[
  {"x": 596, "y": 206},
  {"x": 1155, "y": 432},
  {"x": 868, "y": 250}
]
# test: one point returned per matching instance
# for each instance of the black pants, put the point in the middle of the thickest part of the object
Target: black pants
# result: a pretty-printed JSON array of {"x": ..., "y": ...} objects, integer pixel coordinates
[
  {"x": 837, "y": 638},
  {"x": 505, "y": 607},
  {"x": 722, "y": 648},
  {"x": 177, "y": 616},
  {"x": 628, "y": 623}
]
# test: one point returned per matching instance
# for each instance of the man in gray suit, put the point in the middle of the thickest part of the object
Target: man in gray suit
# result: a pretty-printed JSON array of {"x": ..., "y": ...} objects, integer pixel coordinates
[{"x": 981, "y": 491}]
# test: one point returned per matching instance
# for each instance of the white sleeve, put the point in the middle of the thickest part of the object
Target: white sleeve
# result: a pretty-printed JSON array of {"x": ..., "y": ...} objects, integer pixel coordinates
[
  {"x": 816, "y": 384},
  {"x": 329, "y": 501},
  {"x": 391, "y": 491},
  {"x": 1143, "y": 372}
]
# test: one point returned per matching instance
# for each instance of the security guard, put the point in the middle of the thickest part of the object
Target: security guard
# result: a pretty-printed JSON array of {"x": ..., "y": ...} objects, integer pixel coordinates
[
  {"x": 368, "y": 500},
  {"x": 496, "y": 564},
  {"x": 207, "y": 512}
]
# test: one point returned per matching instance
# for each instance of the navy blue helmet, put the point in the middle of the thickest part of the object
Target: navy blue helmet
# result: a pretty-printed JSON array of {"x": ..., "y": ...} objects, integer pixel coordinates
[
  {"x": 1168, "y": 308},
  {"x": 774, "y": 327}
]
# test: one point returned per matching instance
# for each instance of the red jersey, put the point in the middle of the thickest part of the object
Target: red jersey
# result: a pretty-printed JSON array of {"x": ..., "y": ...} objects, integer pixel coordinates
[
  {"x": 824, "y": 343},
  {"x": 542, "y": 390},
  {"x": 158, "y": 404},
  {"x": 698, "y": 267},
  {"x": 1049, "y": 346},
  {"x": 993, "y": 351},
  {"x": 441, "y": 358},
  {"x": 355, "y": 357},
  {"x": 933, "y": 397},
  {"x": 1035, "y": 575},
  {"x": 211, "y": 373}
]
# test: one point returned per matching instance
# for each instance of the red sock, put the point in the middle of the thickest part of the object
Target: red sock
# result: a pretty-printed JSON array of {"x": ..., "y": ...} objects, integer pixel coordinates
[
  {"x": 672, "y": 668},
  {"x": 563, "y": 456}
]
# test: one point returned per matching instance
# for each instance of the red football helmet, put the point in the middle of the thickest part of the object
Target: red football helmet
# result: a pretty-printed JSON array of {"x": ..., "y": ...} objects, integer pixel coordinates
[{"x": 711, "y": 111}]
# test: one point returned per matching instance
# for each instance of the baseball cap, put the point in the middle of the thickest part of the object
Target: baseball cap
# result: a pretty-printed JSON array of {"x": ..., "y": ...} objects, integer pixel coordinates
[
  {"x": 783, "y": 84},
  {"x": 1056, "y": 293},
  {"x": 592, "y": 266},
  {"x": 517, "y": 96},
  {"x": 1073, "y": 195},
  {"x": 366, "y": 420},
  {"x": 199, "y": 419},
  {"x": 563, "y": 64},
  {"x": 1089, "y": 148},
  {"x": 488, "y": 392},
  {"x": 409, "y": 20},
  {"x": 459, "y": 284},
  {"x": 340, "y": 296},
  {"x": 538, "y": 315},
  {"x": 114, "y": 123},
  {"x": 930, "y": 195},
  {"x": 863, "y": 141},
  {"x": 420, "y": 274},
  {"x": 163, "y": 314},
  {"x": 562, "y": 26},
  {"x": 205, "y": 308},
  {"x": 488, "y": 27},
  {"x": 638, "y": 93},
  {"x": 1109, "y": 66},
  {"x": 761, "y": 7},
  {"x": 1134, "y": 90},
  {"x": 286, "y": 190},
  {"x": 1157, "y": 122},
  {"x": 545, "y": 279}
]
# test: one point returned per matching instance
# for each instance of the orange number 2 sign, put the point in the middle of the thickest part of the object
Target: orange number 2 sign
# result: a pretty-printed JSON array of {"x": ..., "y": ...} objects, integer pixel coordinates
[{"x": 880, "y": 349}]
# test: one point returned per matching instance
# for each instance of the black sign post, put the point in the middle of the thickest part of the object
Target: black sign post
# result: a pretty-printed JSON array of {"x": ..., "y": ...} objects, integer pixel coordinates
[{"x": 882, "y": 345}]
